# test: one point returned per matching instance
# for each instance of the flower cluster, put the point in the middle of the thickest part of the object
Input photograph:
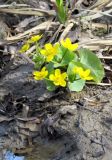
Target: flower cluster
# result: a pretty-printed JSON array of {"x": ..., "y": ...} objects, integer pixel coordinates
[
  {"x": 64, "y": 64},
  {"x": 26, "y": 46},
  {"x": 49, "y": 52}
]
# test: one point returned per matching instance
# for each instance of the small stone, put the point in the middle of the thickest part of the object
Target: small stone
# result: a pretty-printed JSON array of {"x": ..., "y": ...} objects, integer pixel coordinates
[{"x": 3, "y": 93}]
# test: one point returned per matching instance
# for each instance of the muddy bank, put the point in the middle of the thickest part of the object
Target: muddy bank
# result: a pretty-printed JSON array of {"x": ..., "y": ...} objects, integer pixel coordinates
[{"x": 38, "y": 124}]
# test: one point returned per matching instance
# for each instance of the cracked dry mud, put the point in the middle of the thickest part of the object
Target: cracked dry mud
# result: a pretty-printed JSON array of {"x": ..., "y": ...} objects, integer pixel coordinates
[{"x": 53, "y": 126}]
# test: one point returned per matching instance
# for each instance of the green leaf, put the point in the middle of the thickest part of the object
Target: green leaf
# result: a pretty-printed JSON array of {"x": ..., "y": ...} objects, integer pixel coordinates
[
  {"x": 61, "y": 11},
  {"x": 39, "y": 60},
  {"x": 50, "y": 85},
  {"x": 92, "y": 62},
  {"x": 77, "y": 85},
  {"x": 68, "y": 57},
  {"x": 50, "y": 67},
  {"x": 64, "y": 57},
  {"x": 58, "y": 57},
  {"x": 59, "y": 2},
  {"x": 62, "y": 15},
  {"x": 71, "y": 75}
]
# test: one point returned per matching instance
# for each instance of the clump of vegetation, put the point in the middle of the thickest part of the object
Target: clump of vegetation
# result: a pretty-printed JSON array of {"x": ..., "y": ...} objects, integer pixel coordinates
[
  {"x": 64, "y": 64},
  {"x": 61, "y": 11}
]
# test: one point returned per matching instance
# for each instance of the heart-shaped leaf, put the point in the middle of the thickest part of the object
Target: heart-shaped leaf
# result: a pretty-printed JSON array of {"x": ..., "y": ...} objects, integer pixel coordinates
[{"x": 92, "y": 62}]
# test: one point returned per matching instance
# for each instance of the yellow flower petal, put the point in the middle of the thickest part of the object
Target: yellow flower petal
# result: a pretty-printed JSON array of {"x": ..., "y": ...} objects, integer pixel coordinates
[
  {"x": 79, "y": 70},
  {"x": 87, "y": 72},
  {"x": 39, "y": 75},
  {"x": 57, "y": 72},
  {"x": 89, "y": 78},
  {"x": 35, "y": 73},
  {"x": 50, "y": 51},
  {"x": 51, "y": 77},
  {"x": 68, "y": 44},
  {"x": 74, "y": 47},
  {"x": 64, "y": 75},
  {"x": 63, "y": 83},
  {"x": 58, "y": 78},
  {"x": 36, "y": 78},
  {"x": 49, "y": 58},
  {"x": 83, "y": 74},
  {"x": 43, "y": 69},
  {"x": 68, "y": 41},
  {"x": 34, "y": 38},
  {"x": 24, "y": 48},
  {"x": 56, "y": 46},
  {"x": 56, "y": 83},
  {"x": 43, "y": 51},
  {"x": 48, "y": 46}
]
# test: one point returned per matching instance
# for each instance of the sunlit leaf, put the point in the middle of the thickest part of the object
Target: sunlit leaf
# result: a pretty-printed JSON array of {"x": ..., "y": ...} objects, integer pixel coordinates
[
  {"x": 77, "y": 85},
  {"x": 91, "y": 61},
  {"x": 64, "y": 57},
  {"x": 39, "y": 60},
  {"x": 50, "y": 85},
  {"x": 61, "y": 11}
]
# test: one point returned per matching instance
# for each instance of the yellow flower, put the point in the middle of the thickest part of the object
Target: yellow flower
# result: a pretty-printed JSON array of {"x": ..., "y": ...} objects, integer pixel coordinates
[
  {"x": 84, "y": 74},
  {"x": 50, "y": 51},
  {"x": 39, "y": 75},
  {"x": 58, "y": 78},
  {"x": 67, "y": 44},
  {"x": 35, "y": 39},
  {"x": 24, "y": 48}
]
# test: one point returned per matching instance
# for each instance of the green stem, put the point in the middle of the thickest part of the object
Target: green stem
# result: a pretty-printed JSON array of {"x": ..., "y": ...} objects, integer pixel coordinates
[
  {"x": 37, "y": 48},
  {"x": 47, "y": 79},
  {"x": 55, "y": 62}
]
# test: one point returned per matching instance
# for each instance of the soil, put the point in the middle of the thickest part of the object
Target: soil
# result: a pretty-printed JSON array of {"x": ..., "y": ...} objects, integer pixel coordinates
[{"x": 38, "y": 124}]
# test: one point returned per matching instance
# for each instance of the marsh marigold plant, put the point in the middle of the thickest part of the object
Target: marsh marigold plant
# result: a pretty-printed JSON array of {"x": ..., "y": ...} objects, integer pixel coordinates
[{"x": 64, "y": 64}]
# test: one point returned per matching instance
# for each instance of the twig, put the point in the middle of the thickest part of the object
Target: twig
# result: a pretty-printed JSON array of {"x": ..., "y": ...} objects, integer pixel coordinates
[
  {"x": 97, "y": 42},
  {"x": 95, "y": 16},
  {"x": 28, "y": 11},
  {"x": 105, "y": 57},
  {"x": 13, "y": 5},
  {"x": 23, "y": 55},
  {"x": 30, "y": 50},
  {"x": 66, "y": 30},
  {"x": 40, "y": 27},
  {"x": 100, "y": 4},
  {"x": 94, "y": 11},
  {"x": 100, "y": 84},
  {"x": 54, "y": 37},
  {"x": 109, "y": 5}
]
